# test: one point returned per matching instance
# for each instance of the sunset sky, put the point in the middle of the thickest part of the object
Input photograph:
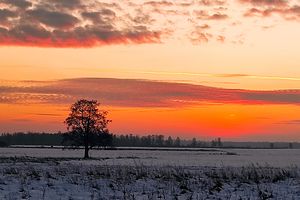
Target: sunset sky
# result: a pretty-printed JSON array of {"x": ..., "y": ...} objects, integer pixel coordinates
[{"x": 188, "y": 68}]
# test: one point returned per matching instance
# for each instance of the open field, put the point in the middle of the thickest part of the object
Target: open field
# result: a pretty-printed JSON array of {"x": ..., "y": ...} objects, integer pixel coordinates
[
  {"x": 28, "y": 173},
  {"x": 200, "y": 157}
]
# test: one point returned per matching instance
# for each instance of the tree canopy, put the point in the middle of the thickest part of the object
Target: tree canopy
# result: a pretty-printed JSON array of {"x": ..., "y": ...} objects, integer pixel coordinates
[{"x": 87, "y": 126}]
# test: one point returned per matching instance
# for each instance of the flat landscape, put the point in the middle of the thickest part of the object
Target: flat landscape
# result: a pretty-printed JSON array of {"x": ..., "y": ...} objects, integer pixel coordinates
[
  {"x": 149, "y": 100},
  {"x": 200, "y": 157},
  {"x": 42, "y": 173}
]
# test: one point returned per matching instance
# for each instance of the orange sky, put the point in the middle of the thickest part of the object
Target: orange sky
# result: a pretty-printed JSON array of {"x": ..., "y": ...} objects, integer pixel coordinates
[{"x": 204, "y": 68}]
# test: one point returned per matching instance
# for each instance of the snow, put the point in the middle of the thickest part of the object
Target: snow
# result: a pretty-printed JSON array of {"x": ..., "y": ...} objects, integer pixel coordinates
[
  {"x": 209, "y": 157},
  {"x": 39, "y": 174}
]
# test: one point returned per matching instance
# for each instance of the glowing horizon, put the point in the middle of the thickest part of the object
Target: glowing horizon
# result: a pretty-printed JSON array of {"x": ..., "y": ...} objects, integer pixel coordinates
[{"x": 204, "y": 69}]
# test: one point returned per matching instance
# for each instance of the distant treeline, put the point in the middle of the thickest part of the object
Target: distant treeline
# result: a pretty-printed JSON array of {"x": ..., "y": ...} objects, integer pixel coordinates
[
  {"x": 55, "y": 139},
  {"x": 152, "y": 141},
  {"x": 129, "y": 140},
  {"x": 20, "y": 138}
]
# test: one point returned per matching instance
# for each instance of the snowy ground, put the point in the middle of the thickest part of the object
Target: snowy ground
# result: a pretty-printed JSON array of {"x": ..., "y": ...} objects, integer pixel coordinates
[
  {"x": 203, "y": 157},
  {"x": 55, "y": 174}
]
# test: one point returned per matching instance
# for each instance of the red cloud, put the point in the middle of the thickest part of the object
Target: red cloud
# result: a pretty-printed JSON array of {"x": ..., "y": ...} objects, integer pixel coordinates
[
  {"x": 289, "y": 13},
  {"x": 140, "y": 93},
  {"x": 266, "y": 8},
  {"x": 89, "y": 23},
  {"x": 36, "y": 36},
  {"x": 72, "y": 24}
]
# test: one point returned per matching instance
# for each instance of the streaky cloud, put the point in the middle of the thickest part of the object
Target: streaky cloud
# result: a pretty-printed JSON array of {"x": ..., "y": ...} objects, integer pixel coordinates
[
  {"x": 221, "y": 75},
  {"x": 140, "y": 93}
]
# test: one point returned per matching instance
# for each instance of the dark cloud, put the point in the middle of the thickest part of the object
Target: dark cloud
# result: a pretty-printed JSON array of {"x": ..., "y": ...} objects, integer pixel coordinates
[
  {"x": 69, "y": 4},
  {"x": 140, "y": 93},
  {"x": 52, "y": 18},
  {"x": 102, "y": 16},
  {"x": 90, "y": 23},
  {"x": 266, "y": 2},
  {"x": 24, "y": 31},
  {"x": 17, "y": 3},
  {"x": 89, "y": 36},
  {"x": 73, "y": 23},
  {"x": 5, "y": 14}
]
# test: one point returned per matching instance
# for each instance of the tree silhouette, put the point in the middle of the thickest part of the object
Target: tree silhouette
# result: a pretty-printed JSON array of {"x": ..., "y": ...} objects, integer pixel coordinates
[
  {"x": 194, "y": 142},
  {"x": 169, "y": 142},
  {"x": 87, "y": 126},
  {"x": 177, "y": 142}
]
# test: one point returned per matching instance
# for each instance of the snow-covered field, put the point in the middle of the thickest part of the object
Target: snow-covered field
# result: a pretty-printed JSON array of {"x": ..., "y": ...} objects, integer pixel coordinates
[
  {"x": 203, "y": 157},
  {"x": 139, "y": 174}
]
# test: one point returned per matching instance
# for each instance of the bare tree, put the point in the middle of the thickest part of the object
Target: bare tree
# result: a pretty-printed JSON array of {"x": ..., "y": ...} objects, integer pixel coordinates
[{"x": 87, "y": 126}]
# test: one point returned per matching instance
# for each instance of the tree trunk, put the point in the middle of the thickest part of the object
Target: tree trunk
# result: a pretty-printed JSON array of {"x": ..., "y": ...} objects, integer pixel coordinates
[
  {"x": 86, "y": 151},
  {"x": 86, "y": 145}
]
